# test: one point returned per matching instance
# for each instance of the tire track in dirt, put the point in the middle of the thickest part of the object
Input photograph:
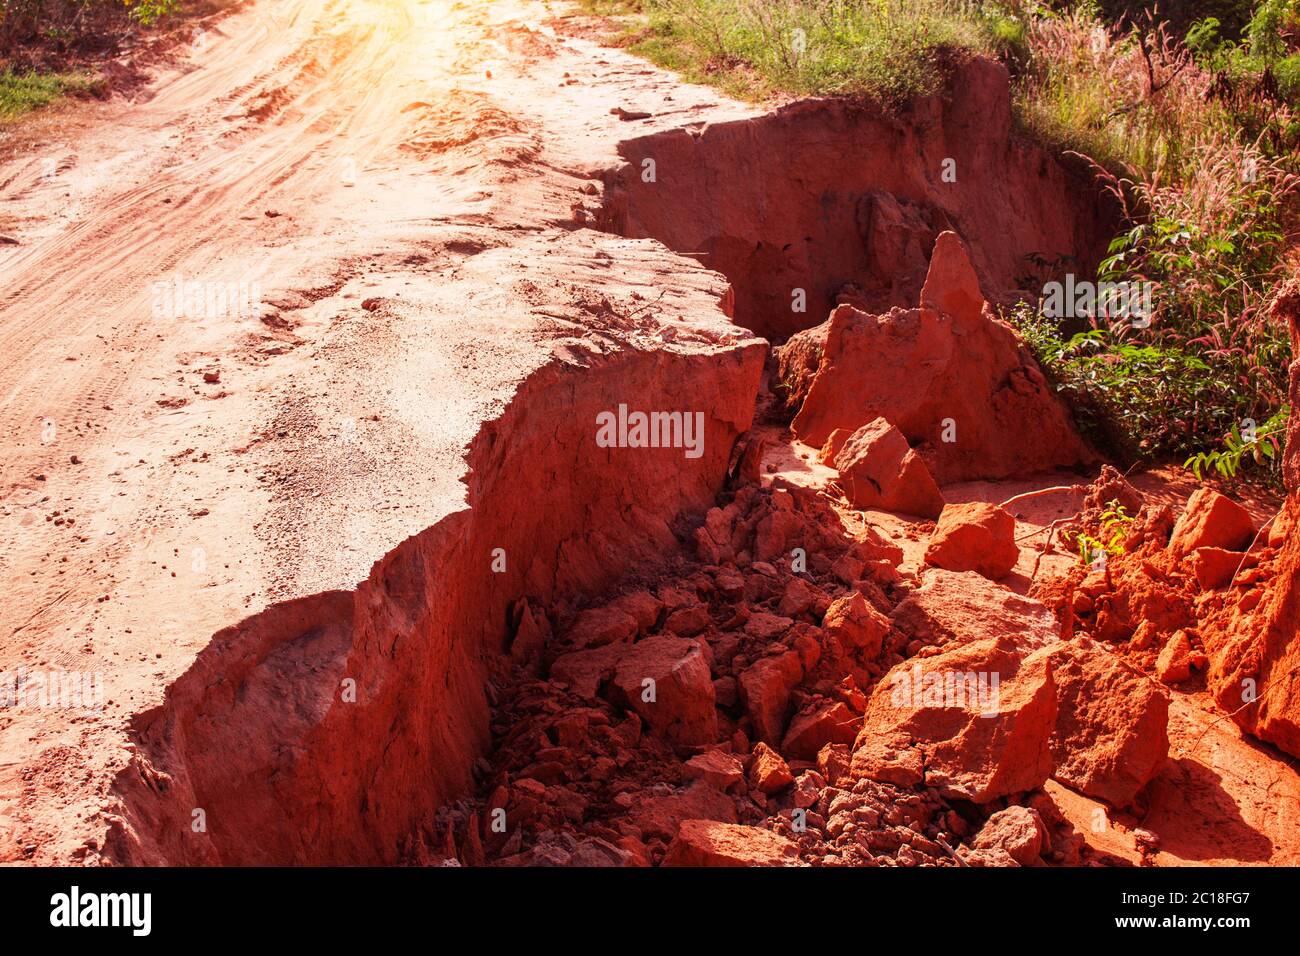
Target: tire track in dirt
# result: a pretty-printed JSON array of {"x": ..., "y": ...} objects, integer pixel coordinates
[{"x": 96, "y": 276}]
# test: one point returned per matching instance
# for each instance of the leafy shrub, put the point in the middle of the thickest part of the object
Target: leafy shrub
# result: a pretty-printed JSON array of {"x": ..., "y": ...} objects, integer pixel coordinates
[
  {"x": 1138, "y": 400},
  {"x": 1266, "y": 29},
  {"x": 1262, "y": 445},
  {"x": 1113, "y": 529},
  {"x": 1207, "y": 209},
  {"x": 1212, "y": 245}
]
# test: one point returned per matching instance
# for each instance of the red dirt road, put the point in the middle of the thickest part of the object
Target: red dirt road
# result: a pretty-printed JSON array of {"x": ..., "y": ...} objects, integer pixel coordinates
[{"x": 170, "y": 468}]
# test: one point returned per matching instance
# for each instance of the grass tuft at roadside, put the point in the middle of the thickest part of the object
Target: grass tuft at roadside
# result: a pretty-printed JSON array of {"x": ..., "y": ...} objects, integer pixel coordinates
[{"x": 22, "y": 93}]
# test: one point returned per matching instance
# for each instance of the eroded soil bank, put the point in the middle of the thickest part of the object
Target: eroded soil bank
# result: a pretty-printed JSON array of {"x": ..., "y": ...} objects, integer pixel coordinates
[
  {"x": 328, "y": 729},
  {"x": 274, "y": 533},
  {"x": 828, "y": 682},
  {"x": 321, "y": 730},
  {"x": 844, "y": 203}
]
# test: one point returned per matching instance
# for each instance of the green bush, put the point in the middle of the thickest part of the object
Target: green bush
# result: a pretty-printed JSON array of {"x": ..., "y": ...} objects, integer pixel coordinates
[
  {"x": 1137, "y": 400},
  {"x": 53, "y": 31},
  {"x": 1267, "y": 25}
]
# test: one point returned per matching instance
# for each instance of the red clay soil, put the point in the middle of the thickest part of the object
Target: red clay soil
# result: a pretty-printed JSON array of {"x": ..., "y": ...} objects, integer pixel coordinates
[
  {"x": 956, "y": 382},
  {"x": 386, "y": 570},
  {"x": 814, "y": 758},
  {"x": 832, "y": 197},
  {"x": 787, "y": 697}
]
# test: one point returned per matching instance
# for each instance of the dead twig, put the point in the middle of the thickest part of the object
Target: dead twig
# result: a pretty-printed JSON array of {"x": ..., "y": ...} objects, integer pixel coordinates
[
  {"x": 949, "y": 850},
  {"x": 1051, "y": 530},
  {"x": 1025, "y": 496},
  {"x": 1254, "y": 541}
]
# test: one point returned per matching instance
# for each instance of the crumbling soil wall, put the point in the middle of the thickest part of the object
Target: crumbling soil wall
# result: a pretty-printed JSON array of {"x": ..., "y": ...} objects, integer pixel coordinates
[
  {"x": 1254, "y": 670},
  {"x": 824, "y": 194},
  {"x": 260, "y": 733}
]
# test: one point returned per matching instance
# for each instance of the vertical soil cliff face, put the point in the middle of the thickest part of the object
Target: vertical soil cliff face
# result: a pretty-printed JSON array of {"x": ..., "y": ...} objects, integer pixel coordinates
[
  {"x": 1278, "y": 718},
  {"x": 320, "y": 731},
  {"x": 1276, "y": 656},
  {"x": 828, "y": 196}
]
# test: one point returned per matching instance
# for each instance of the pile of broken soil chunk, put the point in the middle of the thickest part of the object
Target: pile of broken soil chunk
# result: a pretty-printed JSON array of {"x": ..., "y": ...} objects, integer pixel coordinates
[
  {"x": 744, "y": 709},
  {"x": 1201, "y": 601},
  {"x": 797, "y": 693}
]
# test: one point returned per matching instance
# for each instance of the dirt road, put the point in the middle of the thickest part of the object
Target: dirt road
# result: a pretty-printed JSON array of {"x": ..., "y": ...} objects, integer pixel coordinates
[{"x": 368, "y": 210}]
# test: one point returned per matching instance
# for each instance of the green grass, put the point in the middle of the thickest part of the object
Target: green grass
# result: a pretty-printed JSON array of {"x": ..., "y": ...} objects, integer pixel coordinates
[
  {"x": 1087, "y": 91},
  {"x": 21, "y": 93},
  {"x": 888, "y": 50}
]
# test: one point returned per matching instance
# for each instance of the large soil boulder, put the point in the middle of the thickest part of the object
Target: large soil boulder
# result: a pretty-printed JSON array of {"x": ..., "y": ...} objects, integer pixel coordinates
[
  {"x": 953, "y": 607},
  {"x": 716, "y": 768},
  {"x": 1215, "y": 567},
  {"x": 768, "y": 771},
  {"x": 855, "y": 623},
  {"x": 1174, "y": 662},
  {"x": 709, "y": 843},
  {"x": 667, "y": 681},
  {"x": 1111, "y": 735},
  {"x": 766, "y": 684},
  {"x": 1017, "y": 831},
  {"x": 584, "y": 672},
  {"x": 662, "y": 815},
  {"x": 976, "y": 537},
  {"x": 598, "y": 626},
  {"x": 1211, "y": 520},
  {"x": 879, "y": 470},
  {"x": 954, "y": 380},
  {"x": 829, "y": 722},
  {"x": 974, "y": 722}
]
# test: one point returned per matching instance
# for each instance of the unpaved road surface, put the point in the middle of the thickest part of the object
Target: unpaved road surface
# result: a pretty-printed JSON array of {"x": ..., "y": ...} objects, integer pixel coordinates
[{"x": 175, "y": 464}]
